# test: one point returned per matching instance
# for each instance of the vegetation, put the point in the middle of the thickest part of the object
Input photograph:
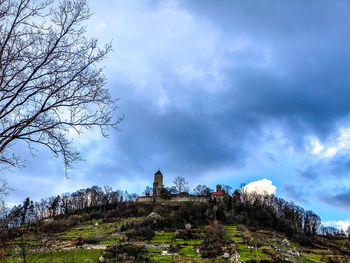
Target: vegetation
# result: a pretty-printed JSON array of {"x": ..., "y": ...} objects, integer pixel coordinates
[
  {"x": 245, "y": 228},
  {"x": 60, "y": 256}
]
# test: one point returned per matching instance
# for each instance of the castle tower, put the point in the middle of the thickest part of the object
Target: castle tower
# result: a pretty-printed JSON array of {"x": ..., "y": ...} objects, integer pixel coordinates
[{"x": 157, "y": 183}]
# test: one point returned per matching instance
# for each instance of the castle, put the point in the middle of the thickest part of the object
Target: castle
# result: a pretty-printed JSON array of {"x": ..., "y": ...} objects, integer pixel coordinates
[
  {"x": 157, "y": 183},
  {"x": 157, "y": 195}
]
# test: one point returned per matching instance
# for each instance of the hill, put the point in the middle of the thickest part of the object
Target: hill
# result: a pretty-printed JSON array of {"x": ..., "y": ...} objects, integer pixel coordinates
[{"x": 169, "y": 232}]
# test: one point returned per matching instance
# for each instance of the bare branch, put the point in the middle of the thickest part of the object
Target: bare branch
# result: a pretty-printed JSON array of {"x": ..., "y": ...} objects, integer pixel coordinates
[{"x": 50, "y": 81}]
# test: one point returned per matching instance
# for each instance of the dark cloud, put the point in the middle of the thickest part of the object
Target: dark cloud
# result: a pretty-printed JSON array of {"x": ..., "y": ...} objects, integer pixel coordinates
[
  {"x": 336, "y": 167},
  {"x": 296, "y": 194},
  {"x": 250, "y": 68},
  {"x": 290, "y": 74},
  {"x": 341, "y": 200},
  {"x": 307, "y": 85}
]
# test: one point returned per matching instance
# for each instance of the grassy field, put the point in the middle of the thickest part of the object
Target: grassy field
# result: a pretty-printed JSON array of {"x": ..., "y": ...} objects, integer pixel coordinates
[{"x": 163, "y": 237}]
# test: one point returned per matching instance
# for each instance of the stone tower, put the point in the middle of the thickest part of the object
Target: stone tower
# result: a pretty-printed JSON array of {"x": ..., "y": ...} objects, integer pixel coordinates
[{"x": 157, "y": 183}]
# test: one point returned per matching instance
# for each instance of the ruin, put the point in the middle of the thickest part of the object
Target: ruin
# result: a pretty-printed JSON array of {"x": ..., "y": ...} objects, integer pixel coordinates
[{"x": 157, "y": 196}]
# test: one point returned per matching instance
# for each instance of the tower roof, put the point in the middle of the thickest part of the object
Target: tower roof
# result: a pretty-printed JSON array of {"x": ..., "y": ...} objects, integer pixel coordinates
[{"x": 158, "y": 173}]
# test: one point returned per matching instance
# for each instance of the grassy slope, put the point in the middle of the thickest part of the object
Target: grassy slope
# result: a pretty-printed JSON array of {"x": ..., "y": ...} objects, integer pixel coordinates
[
  {"x": 75, "y": 255},
  {"x": 109, "y": 233}
]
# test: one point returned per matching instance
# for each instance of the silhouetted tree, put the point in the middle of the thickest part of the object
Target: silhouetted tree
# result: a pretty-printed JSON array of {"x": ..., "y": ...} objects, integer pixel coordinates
[
  {"x": 50, "y": 82},
  {"x": 54, "y": 205},
  {"x": 227, "y": 188},
  {"x": 202, "y": 190},
  {"x": 148, "y": 191},
  {"x": 180, "y": 184},
  {"x": 22, "y": 216}
]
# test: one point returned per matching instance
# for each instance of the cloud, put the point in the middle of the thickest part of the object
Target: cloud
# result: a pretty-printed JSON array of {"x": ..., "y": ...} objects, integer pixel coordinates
[
  {"x": 336, "y": 166},
  {"x": 340, "y": 224},
  {"x": 218, "y": 86},
  {"x": 261, "y": 187},
  {"x": 317, "y": 147},
  {"x": 296, "y": 193},
  {"x": 340, "y": 199}
]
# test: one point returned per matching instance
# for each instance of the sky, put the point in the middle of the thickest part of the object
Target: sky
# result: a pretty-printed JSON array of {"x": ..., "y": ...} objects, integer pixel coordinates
[{"x": 219, "y": 92}]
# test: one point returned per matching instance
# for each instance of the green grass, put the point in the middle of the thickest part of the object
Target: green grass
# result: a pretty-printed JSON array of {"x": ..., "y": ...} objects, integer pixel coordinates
[
  {"x": 188, "y": 242},
  {"x": 151, "y": 250},
  {"x": 155, "y": 255},
  {"x": 188, "y": 252},
  {"x": 162, "y": 259},
  {"x": 88, "y": 229},
  {"x": 243, "y": 250},
  {"x": 163, "y": 237},
  {"x": 77, "y": 256},
  {"x": 103, "y": 231},
  {"x": 246, "y": 258},
  {"x": 110, "y": 240},
  {"x": 232, "y": 234},
  {"x": 312, "y": 257}
]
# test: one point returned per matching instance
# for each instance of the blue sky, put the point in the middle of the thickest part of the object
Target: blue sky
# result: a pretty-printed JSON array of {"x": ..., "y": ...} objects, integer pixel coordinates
[{"x": 218, "y": 92}]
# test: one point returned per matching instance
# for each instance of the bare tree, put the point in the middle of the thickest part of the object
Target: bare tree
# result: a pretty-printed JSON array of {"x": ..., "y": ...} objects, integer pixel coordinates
[
  {"x": 181, "y": 185},
  {"x": 148, "y": 191},
  {"x": 4, "y": 188},
  {"x": 50, "y": 80},
  {"x": 202, "y": 190},
  {"x": 347, "y": 231},
  {"x": 227, "y": 188}
]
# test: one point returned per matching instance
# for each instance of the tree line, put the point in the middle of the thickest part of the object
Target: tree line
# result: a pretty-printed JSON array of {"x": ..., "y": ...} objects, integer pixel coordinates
[
  {"x": 250, "y": 209},
  {"x": 94, "y": 199}
]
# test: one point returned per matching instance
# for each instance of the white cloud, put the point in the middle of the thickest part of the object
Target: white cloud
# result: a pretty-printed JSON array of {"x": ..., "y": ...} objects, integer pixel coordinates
[
  {"x": 337, "y": 143},
  {"x": 341, "y": 224},
  {"x": 317, "y": 147},
  {"x": 262, "y": 187},
  {"x": 331, "y": 152}
]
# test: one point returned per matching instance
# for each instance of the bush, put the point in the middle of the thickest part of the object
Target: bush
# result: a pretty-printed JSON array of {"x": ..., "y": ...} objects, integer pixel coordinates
[
  {"x": 185, "y": 234},
  {"x": 78, "y": 241},
  {"x": 73, "y": 220},
  {"x": 125, "y": 253},
  {"x": 92, "y": 240},
  {"x": 56, "y": 226},
  {"x": 140, "y": 233}
]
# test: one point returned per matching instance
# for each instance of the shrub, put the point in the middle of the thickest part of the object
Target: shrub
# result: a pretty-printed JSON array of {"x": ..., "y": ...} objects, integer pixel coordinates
[
  {"x": 185, "y": 234},
  {"x": 92, "y": 240},
  {"x": 56, "y": 226},
  {"x": 140, "y": 233},
  {"x": 125, "y": 253},
  {"x": 78, "y": 241}
]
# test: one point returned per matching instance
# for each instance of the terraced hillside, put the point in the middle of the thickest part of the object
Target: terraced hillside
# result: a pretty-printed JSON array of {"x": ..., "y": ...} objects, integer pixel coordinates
[{"x": 121, "y": 239}]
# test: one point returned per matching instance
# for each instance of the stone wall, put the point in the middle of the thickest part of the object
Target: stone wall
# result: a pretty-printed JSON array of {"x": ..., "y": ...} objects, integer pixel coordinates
[
  {"x": 144, "y": 199},
  {"x": 199, "y": 199}
]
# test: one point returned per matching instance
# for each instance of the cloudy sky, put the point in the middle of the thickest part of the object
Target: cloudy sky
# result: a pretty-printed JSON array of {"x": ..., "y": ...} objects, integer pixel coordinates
[{"x": 218, "y": 92}]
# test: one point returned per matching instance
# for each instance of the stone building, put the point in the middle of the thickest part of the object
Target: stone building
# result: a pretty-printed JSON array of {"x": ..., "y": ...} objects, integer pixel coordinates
[
  {"x": 158, "y": 186},
  {"x": 157, "y": 183},
  {"x": 219, "y": 194}
]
